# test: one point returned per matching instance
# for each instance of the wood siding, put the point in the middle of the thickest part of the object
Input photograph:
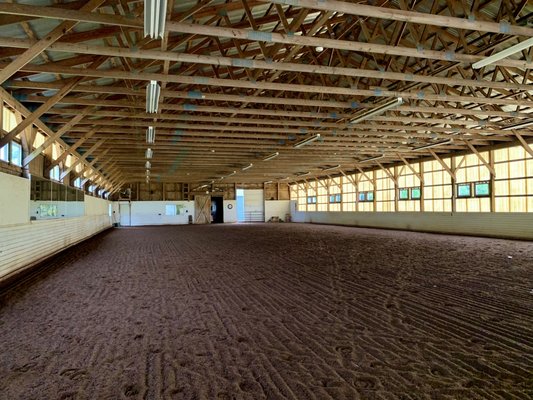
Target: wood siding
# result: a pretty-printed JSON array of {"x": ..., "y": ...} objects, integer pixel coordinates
[{"x": 26, "y": 244}]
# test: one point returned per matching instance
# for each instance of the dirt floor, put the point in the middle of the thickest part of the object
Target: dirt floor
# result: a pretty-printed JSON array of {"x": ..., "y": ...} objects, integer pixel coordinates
[{"x": 273, "y": 311}]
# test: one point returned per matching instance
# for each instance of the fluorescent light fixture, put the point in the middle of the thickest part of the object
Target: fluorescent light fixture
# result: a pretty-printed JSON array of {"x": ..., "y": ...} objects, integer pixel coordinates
[
  {"x": 373, "y": 158},
  {"x": 267, "y": 182},
  {"x": 307, "y": 141},
  {"x": 233, "y": 173},
  {"x": 319, "y": 48},
  {"x": 270, "y": 157},
  {"x": 150, "y": 135},
  {"x": 431, "y": 145},
  {"x": 148, "y": 165},
  {"x": 331, "y": 168},
  {"x": 147, "y": 172},
  {"x": 303, "y": 174},
  {"x": 153, "y": 90},
  {"x": 247, "y": 167},
  {"x": 518, "y": 126},
  {"x": 503, "y": 54},
  {"x": 155, "y": 14},
  {"x": 149, "y": 153},
  {"x": 377, "y": 110}
]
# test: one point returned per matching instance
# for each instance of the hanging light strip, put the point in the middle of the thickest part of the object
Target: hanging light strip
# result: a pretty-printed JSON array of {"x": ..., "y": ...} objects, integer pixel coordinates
[
  {"x": 431, "y": 145},
  {"x": 373, "y": 158},
  {"x": 153, "y": 90},
  {"x": 270, "y": 157},
  {"x": 378, "y": 110},
  {"x": 307, "y": 141},
  {"x": 331, "y": 168},
  {"x": 150, "y": 135},
  {"x": 503, "y": 54},
  {"x": 149, "y": 153},
  {"x": 247, "y": 167},
  {"x": 518, "y": 126},
  {"x": 148, "y": 165},
  {"x": 155, "y": 14}
]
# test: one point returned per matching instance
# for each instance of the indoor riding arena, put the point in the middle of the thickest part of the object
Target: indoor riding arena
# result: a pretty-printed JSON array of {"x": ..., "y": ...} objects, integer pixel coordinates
[{"x": 266, "y": 199}]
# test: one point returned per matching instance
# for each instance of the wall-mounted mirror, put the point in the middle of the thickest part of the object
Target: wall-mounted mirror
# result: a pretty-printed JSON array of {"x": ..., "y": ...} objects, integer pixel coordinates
[{"x": 54, "y": 200}]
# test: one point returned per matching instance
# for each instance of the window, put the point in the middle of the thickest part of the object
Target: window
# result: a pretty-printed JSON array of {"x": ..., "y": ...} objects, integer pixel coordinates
[
  {"x": 481, "y": 189},
  {"x": 12, "y": 152},
  {"x": 335, "y": 198},
  {"x": 416, "y": 194},
  {"x": 4, "y": 153},
  {"x": 366, "y": 196},
  {"x": 311, "y": 199},
  {"x": 77, "y": 182},
  {"x": 55, "y": 173},
  {"x": 403, "y": 194},
  {"x": 464, "y": 190},
  {"x": 170, "y": 209},
  {"x": 16, "y": 154},
  {"x": 48, "y": 210}
]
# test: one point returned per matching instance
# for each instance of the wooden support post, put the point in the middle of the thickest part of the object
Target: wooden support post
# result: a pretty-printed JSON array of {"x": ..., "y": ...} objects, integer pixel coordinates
[
  {"x": 524, "y": 144},
  {"x": 480, "y": 157},
  {"x": 442, "y": 163}
]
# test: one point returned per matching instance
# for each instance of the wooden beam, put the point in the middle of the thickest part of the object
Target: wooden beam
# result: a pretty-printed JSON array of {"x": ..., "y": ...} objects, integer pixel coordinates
[
  {"x": 30, "y": 119},
  {"x": 363, "y": 10},
  {"x": 82, "y": 158},
  {"x": 418, "y": 175},
  {"x": 391, "y": 176},
  {"x": 442, "y": 163},
  {"x": 480, "y": 157},
  {"x": 366, "y": 176},
  {"x": 42, "y": 44},
  {"x": 51, "y": 139},
  {"x": 70, "y": 150},
  {"x": 524, "y": 144},
  {"x": 291, "y": 87},
  {"x": 259, "y": 64}
]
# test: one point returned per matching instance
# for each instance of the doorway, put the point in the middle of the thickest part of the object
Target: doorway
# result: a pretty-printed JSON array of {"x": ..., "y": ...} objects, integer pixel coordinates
[
  {"x": 125, "y": 213},
  {"x": 202, "y": 209},
  {"x": 217, "y": 210}
]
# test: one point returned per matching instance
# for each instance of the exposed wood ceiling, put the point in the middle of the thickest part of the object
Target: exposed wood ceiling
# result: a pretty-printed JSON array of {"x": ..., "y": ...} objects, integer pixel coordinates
[{"x": 243, "y": 79}]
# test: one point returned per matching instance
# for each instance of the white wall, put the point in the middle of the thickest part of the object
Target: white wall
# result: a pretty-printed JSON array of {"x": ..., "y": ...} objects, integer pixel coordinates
[
  {"x": 14, "y": 199},
  {"x": 506, "y": 225},
  {"x": 153, "y": 213},
  {"x": 26, "y": 242},
  {"x": 277, "y": 208},
  {"x": 230, "y": 214}
]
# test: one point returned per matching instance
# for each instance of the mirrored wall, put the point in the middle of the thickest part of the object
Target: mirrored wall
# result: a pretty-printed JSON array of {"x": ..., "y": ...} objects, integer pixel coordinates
[{"x": 49, "y": 200}]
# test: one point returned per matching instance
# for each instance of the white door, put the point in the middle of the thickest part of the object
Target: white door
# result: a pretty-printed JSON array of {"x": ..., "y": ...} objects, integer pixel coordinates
[
  {"x": 254, "y": 205},
  {"x": 125, "y": 213}
]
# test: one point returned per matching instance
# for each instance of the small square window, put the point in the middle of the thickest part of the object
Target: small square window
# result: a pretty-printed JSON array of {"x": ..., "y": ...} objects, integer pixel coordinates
[
  {"x": 464, "y": 190},
  {"x": 404, "y": 194},
  {"x": 482, "y": 189},
  {"x": 369, "y": 196},
  {"x": 415, "y": 193},
  {"x": 362, "y": 196}
]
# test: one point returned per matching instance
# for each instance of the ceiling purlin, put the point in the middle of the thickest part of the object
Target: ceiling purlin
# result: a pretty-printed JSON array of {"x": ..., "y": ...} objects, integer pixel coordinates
[{"x": 335, "y": 58}]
